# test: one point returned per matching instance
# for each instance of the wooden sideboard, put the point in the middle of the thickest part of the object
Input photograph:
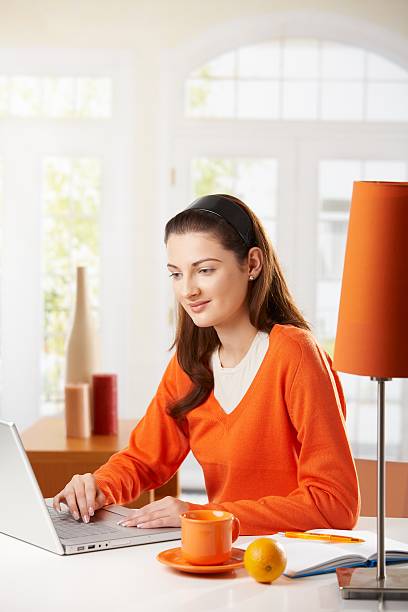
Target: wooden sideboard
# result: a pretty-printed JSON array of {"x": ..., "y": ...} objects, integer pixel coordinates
[{"x": 56, "y": 458}]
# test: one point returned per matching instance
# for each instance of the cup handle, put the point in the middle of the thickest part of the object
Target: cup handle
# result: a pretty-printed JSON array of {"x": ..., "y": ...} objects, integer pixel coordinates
[{"x": 235, "y": 528}]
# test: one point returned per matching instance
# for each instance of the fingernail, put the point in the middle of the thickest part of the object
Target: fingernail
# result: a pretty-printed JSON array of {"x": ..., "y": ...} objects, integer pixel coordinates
[
  {"x": 86, "y": 518},
  {"x": 124, "y": 524},
  {"x": 91, "y": 510},
  {"x": 141, "y": 525},
  {"x": 76, "y": 515}
]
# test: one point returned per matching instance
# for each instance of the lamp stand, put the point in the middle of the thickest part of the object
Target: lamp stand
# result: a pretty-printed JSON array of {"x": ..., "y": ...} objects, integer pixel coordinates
[{"x": 376, "y": 582}]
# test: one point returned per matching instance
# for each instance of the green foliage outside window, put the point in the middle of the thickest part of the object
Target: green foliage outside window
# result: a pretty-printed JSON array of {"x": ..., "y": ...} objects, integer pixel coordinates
[
  {"x": 199, "y": 91},
  {"x": 55, "y": 97},
  {"x": 70, "y": 238},
  {"x": 254, "y": 180},
  {"x": 212, "y": 176}
]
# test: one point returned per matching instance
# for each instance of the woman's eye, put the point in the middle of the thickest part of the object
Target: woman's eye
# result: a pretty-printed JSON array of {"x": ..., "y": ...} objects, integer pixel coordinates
[{"x": 176, "y": 275}]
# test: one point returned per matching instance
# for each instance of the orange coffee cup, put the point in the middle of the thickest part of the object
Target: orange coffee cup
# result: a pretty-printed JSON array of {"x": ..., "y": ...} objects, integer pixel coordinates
[{"x": 207, "y": 536}]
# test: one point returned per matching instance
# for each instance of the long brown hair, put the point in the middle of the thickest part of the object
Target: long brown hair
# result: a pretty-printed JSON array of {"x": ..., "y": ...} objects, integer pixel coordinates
[{"x": 269, "y": 301}]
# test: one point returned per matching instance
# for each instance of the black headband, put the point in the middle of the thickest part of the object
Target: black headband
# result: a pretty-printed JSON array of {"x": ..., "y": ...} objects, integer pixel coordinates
[{"x": 232, "y": 213}]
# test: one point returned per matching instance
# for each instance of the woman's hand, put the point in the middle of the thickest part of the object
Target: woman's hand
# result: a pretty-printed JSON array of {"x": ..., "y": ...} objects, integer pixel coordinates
[
  {"x": 82, "y": 496},
  {"x": 161, "y": 513}
]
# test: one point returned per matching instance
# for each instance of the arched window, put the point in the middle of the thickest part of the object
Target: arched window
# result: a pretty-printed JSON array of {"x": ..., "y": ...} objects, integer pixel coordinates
[{"x": 302, "y": 79}]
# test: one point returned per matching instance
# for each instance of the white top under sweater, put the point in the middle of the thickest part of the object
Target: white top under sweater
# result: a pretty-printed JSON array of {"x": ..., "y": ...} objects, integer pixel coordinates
[{"x": 231, "y": 384}]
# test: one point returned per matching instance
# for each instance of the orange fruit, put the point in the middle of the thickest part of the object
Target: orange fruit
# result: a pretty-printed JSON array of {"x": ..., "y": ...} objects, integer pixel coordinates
[{"x": 265, "y": 559}]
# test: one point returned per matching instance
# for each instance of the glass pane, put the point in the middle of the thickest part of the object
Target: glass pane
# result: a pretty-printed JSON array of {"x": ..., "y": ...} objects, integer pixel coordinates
[
  {"x": 59, "y": 97},
  {"x": 259, "y": 60},
  {"x": 381, "y": 170},
  {"x": 25, "y": 97},
  {"x": 387, "y": 101},
  {"x": 211, "y": 176},
  {"x": 221, "y": 66},
  {"x": 1, "y": 218},
  {"x": 367, "y": 430},
  {"x": 381, "y": 68},
  {"x": 332, "y": 245},
  {"x": 361, "y": 395},
  {"x": 395, "y": 390},
  {"x": 1, "y": 279},
  {"x": 300, "y": 100},
  {"x": 4, "y": 96},
  {"x": 300, "y": 59},
  {"x": 335, "y": 180},
  {"x": 350, "y": 384},
  {"x": 328, "y": 298},
  {"x": 93, "y": 97},
  {"x": 258, "y": 100},
  {"x": 342, "y": 101},
  {"x": 395, "y": 430},
  {"x": 363, "y": 390},
  {"x": 252, "y": 180},
  {"x": 71, "y": 191},
  {"x": 336, "y": 183},
  {"x": 271, "y": 229},
  {"x": 342, "y": 62},
  {"x": 208, "y": 98},
  {"x": 85, "y": 187},
  {"x": 257, "y": 182}
]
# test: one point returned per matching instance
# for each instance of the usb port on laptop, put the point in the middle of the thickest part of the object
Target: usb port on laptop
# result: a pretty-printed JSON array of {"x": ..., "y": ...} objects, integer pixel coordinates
[{"x": 91, "y": 546}]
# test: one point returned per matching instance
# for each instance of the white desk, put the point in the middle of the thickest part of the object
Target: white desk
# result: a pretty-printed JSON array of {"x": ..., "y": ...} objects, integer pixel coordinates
[{"x": 131, "y": 579}]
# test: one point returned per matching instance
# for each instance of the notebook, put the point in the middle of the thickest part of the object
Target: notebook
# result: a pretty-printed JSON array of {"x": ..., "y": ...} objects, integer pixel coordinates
[
  {"x": 27, "y": 516},
  {"x": 308, "y": 557}
]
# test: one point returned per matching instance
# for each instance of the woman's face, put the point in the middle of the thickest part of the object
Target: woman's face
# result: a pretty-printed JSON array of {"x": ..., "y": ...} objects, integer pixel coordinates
[{"x": 203, "y": 271}]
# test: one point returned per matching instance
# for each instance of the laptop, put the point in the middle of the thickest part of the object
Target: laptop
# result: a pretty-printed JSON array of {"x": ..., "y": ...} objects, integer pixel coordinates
[{"x": 27, "y": 516}]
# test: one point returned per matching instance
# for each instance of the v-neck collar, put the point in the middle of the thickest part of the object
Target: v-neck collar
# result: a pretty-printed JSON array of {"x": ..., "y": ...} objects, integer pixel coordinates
[
  {"x": 240, "y": 364},
  {"x": 228, "y": 418}
]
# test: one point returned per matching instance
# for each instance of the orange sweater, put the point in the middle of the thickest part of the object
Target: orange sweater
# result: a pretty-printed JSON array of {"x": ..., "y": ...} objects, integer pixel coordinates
[{"x": 280, "y": 461}]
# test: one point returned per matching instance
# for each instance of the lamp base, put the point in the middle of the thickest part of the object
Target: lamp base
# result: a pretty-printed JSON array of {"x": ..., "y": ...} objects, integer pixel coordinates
[{"x": 362, "y": 583}]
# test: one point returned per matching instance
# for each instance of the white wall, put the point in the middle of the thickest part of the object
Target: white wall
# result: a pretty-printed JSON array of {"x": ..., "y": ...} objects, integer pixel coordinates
[{"x": 151, "y": 29}]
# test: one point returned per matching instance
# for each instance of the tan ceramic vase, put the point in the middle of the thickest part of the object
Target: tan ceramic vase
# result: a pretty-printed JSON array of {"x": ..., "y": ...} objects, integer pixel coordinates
[{"x": 83, "y": 352}]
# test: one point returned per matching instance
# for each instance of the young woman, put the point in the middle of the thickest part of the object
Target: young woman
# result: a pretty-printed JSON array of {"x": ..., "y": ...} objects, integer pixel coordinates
[{"x": 248, "y": 390}]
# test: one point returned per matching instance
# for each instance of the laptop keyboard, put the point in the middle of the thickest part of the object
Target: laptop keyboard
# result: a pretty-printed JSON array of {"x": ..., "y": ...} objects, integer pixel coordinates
[{"x": 67, "y": 527}]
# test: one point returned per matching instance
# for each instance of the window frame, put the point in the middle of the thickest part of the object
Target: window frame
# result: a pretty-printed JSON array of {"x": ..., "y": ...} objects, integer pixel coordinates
[
  {"x": 24, "y": 143},
  {"x": 183, "y": 137}
]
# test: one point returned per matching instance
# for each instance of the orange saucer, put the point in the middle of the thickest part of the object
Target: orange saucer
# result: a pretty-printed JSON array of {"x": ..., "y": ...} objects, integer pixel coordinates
[{"x": 174, "y": 558}]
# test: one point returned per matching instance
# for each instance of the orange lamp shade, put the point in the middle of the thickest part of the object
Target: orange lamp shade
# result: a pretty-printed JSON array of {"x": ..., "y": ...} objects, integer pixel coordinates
[{"x": 372, "y": 328}]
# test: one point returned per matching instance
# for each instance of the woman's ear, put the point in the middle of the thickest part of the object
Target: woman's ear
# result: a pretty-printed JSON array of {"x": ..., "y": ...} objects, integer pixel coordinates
[{"x": 255, "y": 262}]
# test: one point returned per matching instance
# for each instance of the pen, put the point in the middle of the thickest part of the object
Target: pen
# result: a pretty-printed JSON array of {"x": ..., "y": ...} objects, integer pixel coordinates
[{"x": 322, "y": 536}]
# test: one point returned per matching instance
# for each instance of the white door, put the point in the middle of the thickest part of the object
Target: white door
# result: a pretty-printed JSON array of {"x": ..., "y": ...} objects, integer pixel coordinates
[{"x": 301, "y": 188}]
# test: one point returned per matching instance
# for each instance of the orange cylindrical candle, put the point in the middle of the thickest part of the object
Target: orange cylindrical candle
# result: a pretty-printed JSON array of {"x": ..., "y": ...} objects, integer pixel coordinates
[{"x": 77, "y": 410}]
